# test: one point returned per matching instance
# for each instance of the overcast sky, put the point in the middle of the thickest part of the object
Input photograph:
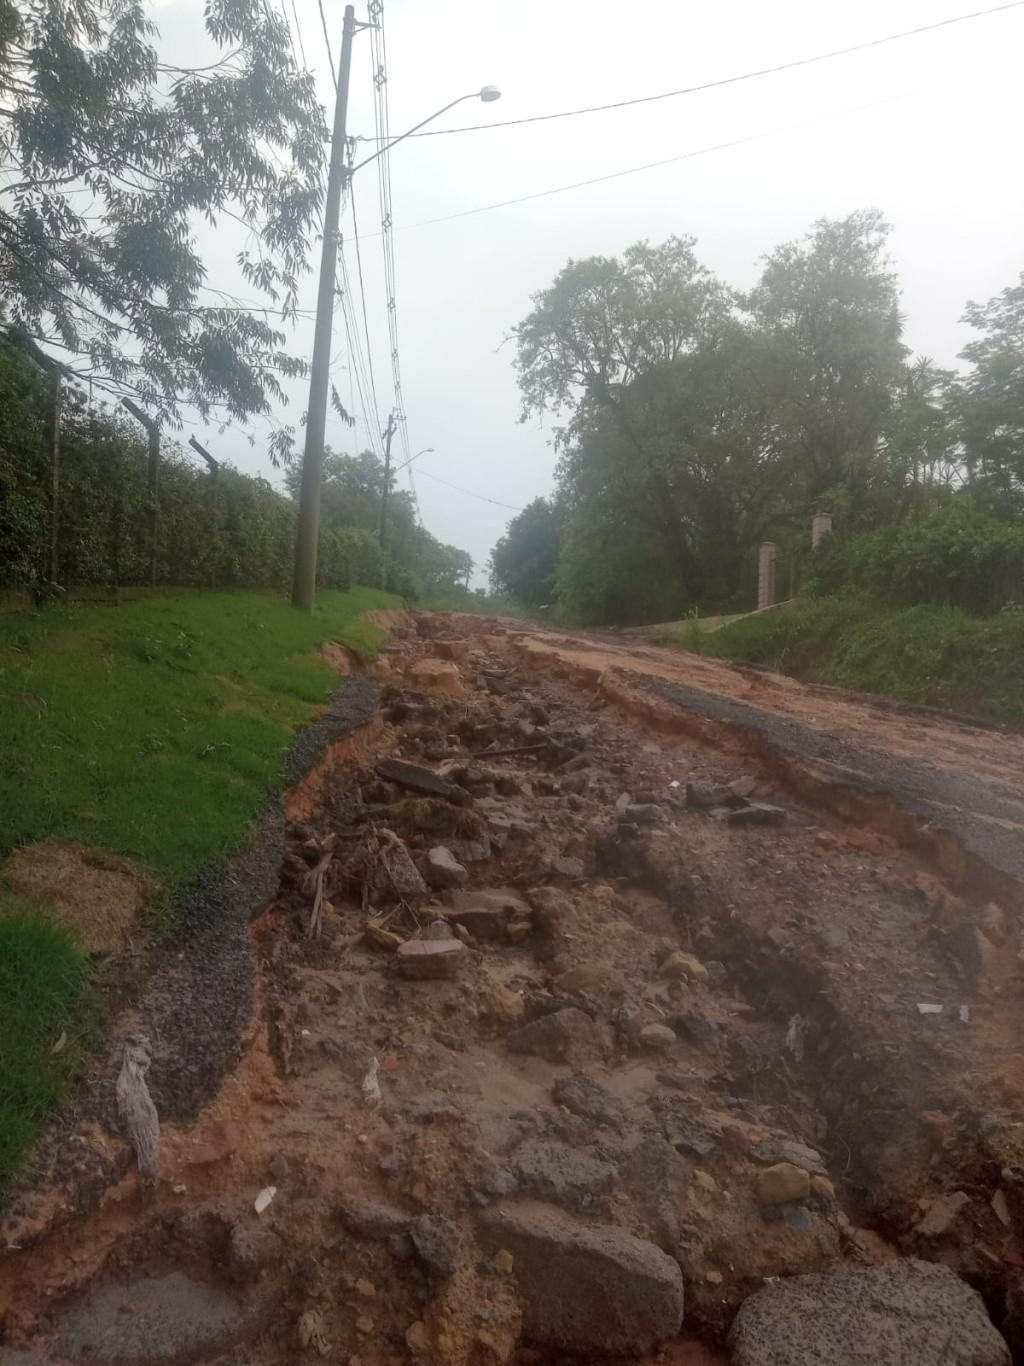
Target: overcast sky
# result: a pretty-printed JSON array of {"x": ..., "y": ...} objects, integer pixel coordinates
[{"x": 938, "y": 152}]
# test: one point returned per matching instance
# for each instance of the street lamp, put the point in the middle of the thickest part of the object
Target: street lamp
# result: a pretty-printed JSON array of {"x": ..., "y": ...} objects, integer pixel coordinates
[
  {"x": 427, "y": 450},
  {"x": 487, "y": 93},
  {"x": 308, "y": 529}
]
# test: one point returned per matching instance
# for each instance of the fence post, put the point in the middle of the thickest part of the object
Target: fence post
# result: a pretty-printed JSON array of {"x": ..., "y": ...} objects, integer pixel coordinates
[
  {"x": 821, "y": 525},
  {"x": 56, "y": 403},
  {"x": 214, "y": 466},
  {"x": 153, "y": 431},
  {"x": 766, "y": 575}
]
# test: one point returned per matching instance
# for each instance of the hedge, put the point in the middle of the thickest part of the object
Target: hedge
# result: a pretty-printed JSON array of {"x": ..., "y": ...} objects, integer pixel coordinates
[{"x": 957, "y": 557}]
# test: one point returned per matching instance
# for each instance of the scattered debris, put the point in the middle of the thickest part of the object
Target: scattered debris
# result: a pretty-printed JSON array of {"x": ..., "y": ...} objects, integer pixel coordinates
[
  {"x": 756, "y": 813},
  {"x": 137, "y": 1111},
  {"x": 370, "y": 1084},
  {"x": 264, "y": 1199},
  {"x": 942, "y": 1213}
]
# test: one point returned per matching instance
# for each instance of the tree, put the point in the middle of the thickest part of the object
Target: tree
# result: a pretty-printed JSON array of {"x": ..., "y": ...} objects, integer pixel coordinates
[
  {"x": 992, "y": 399},
  {"x": 827, "y": 309},
  {"x": 701, "y": 422},
  {"x": 418, "y": 562},
  {"x": 604, "y": 322},
  {"x": 110, "y": 157},
  {"x": 525, "y": 559}
]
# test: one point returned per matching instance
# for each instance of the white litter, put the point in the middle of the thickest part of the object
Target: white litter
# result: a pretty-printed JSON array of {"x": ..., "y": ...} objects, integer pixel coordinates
[
  {"x": 264, "y": 1198},
  {"x": 795, "y": 1037},
  {"x": 923, "y": 1008},
  {"x": 371, "y": 1086},
  {"x": 965, "y": 1014},
  {"x": 674, "y": 782}
]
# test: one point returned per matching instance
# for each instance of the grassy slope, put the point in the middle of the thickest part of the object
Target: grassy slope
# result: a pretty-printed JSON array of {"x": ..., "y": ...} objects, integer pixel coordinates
[
  {"x": 151, "y": 730},
  {"x": 938, "y": 656},
  {"x": 46, "y": 1002}
]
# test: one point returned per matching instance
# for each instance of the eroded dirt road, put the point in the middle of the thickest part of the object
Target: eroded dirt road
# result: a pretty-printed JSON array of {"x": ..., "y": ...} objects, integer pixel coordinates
[{"x": 602, "y": 989}]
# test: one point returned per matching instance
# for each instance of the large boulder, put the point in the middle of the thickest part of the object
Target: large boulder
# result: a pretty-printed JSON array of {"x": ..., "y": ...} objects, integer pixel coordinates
[
  {"x": 587, "y": 1288},
  {"x": 903, "y": 1311}
]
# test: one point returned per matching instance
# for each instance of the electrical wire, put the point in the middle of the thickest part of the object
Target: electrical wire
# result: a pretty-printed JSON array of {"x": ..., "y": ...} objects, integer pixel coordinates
[
  {"x": 727, "y": 80},
  {"x": 653, "y": 165},
  {"x": 362, "y": 296},
  {"x": 469, "y": 492},
  {"x": 298, "y": 34},
  {"x": 327, "y": 42},
  {"x": 382, "y": 125},
  {"x": 357, "y": 360}
]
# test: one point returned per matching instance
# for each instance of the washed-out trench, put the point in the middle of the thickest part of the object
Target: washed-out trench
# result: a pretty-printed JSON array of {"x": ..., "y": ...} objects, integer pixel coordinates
[{"x": 649, "y": 1035}]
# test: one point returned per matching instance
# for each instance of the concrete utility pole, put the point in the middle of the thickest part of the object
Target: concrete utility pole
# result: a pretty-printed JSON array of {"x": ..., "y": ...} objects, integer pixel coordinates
[
  {"x": 153, "y": 431},
  {"x": 388, "y": 434},
  {"x": 304, "y": 583}
]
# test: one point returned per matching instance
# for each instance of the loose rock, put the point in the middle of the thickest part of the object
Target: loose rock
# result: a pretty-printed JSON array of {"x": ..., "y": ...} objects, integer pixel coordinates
[
  {"x": 423, "y": 959},
  {"x": 586, "y": 1097},
  {"x": 683, "y": 967},
  {"x": 584, "y": 1288},
  {"x": 657, "y": 1038},
  {"x": 775, "y": 1150},
  {"x": 437, "y": 1241},
  {"x": 560, "y": 1173},
  {"x": 503, "y": 1005},
  {"x": 904, "y": 1311},
  {"x": 442, "y": 869},
  {"x": 942, "y": 1214},
  {"x": 783, "y": 1184}
]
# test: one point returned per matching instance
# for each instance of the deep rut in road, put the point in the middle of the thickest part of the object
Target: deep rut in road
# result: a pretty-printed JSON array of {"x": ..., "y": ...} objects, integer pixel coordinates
[{"x": 564, "y": 1013}]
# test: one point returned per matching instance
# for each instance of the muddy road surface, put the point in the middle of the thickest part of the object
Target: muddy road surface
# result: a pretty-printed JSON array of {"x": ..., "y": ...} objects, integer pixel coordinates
[{"x": 610, "y": 1003}]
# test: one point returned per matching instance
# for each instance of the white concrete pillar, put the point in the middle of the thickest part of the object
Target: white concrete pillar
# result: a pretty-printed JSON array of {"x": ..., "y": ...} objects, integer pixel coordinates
[
  {"x": 821, "y": 525},
  {"x": 766, "y": 575}
]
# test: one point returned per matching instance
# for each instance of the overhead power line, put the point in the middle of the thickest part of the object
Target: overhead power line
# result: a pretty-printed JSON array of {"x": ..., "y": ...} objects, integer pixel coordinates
[
  {"x": 298, "y": 33},
  {"x": 469, "y": 492},
  {"x": 728, "y": 80},
  {"x": 653, "y": 165},
  {"x": 327, "y": 43}
]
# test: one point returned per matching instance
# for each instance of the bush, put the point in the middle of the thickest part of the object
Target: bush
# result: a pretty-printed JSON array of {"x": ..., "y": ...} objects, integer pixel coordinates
[{"x": 957, "y": 557}]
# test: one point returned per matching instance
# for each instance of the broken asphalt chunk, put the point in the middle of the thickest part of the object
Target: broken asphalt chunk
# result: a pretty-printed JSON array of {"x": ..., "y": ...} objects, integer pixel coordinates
[{"x": 416, "y": 778}]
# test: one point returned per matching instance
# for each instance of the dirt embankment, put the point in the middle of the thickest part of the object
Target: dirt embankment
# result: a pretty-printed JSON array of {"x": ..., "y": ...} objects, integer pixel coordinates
[{"x": 583, "y": 1012}]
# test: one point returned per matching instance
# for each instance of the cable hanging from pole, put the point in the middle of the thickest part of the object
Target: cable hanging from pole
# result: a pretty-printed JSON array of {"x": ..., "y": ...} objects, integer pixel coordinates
[{"x": 382, "y": 128}]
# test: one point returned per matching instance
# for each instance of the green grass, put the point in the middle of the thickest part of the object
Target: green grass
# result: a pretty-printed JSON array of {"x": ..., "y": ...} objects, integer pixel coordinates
[
  {"x": 151, "y": 730},
  {"x": 935, "y": 656},
  {"x": 45, "y": 996}
]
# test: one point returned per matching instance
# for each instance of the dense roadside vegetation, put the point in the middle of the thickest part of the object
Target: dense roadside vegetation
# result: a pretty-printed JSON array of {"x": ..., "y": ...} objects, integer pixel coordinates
[
  {"x": 150, "y": 730},
  {"x": 930, "y": 655},
  {"x": 929, "y": 611},
  {"x": 236, "y": 533}
]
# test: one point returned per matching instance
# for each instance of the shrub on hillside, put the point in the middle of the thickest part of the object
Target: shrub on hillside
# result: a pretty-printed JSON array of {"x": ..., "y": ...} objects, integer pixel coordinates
[{"x": 957, "y": 557}]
